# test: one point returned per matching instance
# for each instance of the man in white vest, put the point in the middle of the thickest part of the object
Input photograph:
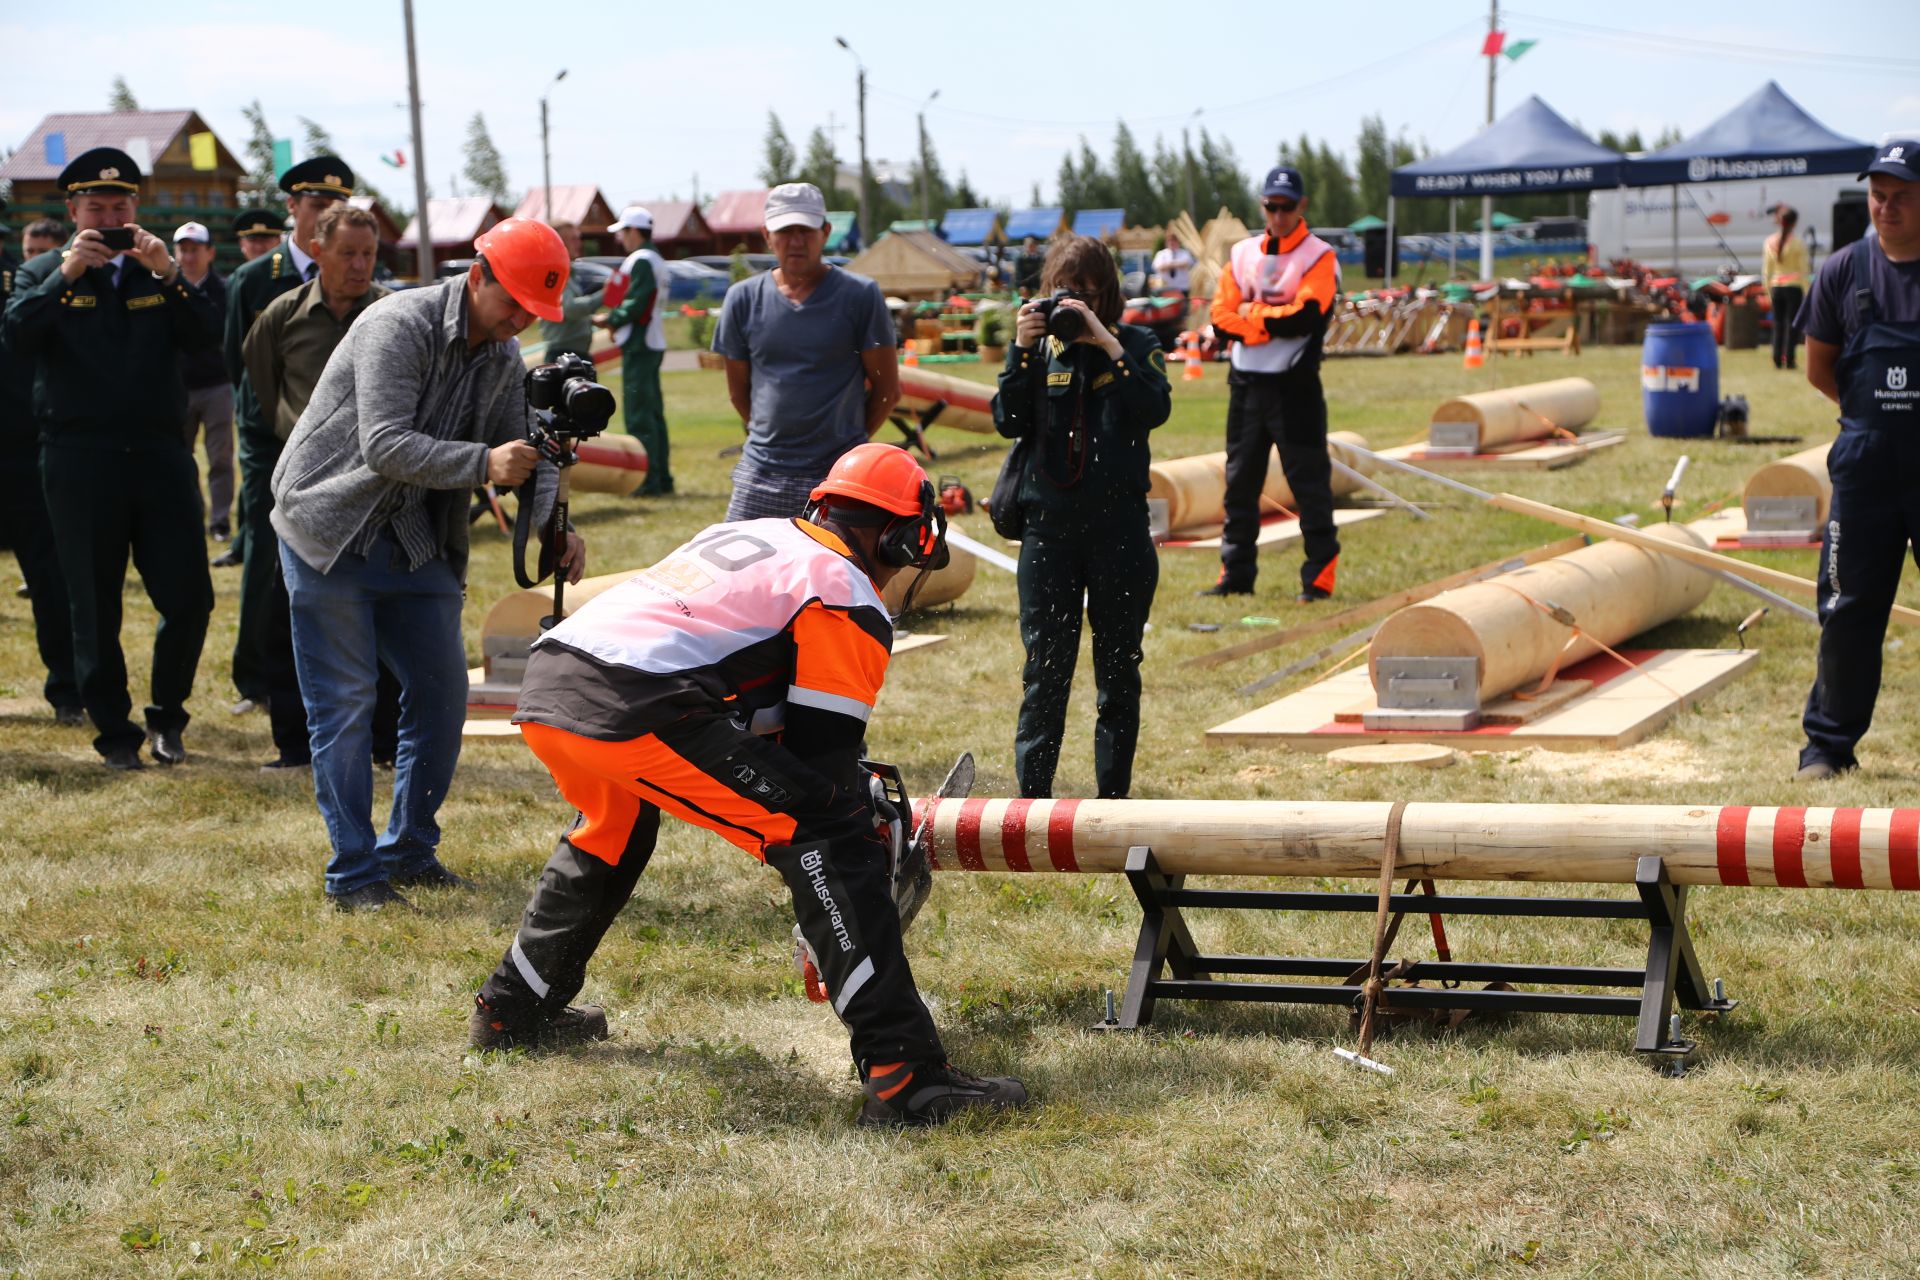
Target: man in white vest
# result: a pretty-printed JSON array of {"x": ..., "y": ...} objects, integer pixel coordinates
[
  {"x": 637, "y": 296},
  {"x": 1273, "y": 301}
]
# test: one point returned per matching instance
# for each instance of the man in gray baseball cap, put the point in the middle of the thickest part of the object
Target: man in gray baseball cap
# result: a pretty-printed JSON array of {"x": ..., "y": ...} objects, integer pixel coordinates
[{"x": 812, "y": 364}]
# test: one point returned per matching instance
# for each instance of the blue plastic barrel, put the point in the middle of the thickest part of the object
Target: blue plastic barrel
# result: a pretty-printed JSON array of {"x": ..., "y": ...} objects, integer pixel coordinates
[{"x": 1680, "y": 379}]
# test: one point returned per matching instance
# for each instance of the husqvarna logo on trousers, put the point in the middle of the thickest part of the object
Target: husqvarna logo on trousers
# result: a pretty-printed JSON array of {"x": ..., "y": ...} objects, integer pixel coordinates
[{"x": 1656, "y": 377}]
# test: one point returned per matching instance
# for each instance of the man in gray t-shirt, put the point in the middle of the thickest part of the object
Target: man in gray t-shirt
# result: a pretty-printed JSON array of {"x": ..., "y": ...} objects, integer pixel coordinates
[{"x": 811, "y": 360}]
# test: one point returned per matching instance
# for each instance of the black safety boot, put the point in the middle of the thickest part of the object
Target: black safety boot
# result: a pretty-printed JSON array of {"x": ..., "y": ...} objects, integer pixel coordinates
[
  {"x": 575, "y": 1024},
  {"x": 166, "y": 746},
  {"x": 1225, "y": 588},
  {"x": 922, "y": 1094}
]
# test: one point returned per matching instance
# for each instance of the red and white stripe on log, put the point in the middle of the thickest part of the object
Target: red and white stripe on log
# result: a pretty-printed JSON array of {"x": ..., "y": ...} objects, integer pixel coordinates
[{"x": 1811, "y": 848}]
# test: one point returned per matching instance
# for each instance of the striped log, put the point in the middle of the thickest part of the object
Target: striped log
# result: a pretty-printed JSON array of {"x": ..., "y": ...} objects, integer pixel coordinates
[{"x": 1813, "y": 848}]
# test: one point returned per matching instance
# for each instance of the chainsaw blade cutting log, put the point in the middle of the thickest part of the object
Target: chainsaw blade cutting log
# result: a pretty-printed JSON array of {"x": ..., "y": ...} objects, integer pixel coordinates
[{"x": 909, "y": 872}]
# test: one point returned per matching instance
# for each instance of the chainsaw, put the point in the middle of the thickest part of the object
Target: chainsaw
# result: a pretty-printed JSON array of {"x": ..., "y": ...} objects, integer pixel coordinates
[{"x": 908, "y": 873}]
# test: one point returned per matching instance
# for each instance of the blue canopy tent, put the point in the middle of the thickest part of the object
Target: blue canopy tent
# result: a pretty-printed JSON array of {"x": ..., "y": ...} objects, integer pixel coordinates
[
  {"x": 1041, "y": 224},
  {"x": 1529, "y": 150},
  {"x": 1767, "y": 136},
  {"x": 970, "y": 227},
  {"x": 1098, "y": 222}
]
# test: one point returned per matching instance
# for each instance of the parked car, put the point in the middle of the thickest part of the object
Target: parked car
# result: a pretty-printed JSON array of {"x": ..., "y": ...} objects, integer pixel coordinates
[{"x": 687, "y": 281}]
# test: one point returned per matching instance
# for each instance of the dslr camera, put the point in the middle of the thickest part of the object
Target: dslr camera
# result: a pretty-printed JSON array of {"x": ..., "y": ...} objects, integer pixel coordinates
[
  {"x": 567, "y": 402},
  {"x": 1064, "y": 323}
]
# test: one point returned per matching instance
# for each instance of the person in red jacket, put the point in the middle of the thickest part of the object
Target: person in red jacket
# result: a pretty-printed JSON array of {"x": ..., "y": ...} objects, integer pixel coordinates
[{"x": 1273, "y": 300}]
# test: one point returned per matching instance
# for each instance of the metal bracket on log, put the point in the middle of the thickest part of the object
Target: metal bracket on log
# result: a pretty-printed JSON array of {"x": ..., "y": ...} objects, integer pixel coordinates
[
  {"x": 916, "y": 430},
  {"x": 1672, "y": 972},
  {"x": 1425, "y": 693},
  {"x": 1775, "y": 518},
  {"x": 1453, "y": 439}
]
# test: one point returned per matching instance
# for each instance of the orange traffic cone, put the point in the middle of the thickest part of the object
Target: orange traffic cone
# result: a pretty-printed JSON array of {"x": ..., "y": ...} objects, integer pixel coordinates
[
  {"x": 913, "y": 355},
  {"x": 1195, "y": 367},
  {"x": 1475, "y": 356}
]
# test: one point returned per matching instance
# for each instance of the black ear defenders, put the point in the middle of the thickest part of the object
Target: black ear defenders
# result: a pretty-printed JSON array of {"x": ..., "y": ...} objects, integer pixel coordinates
[{"x": 916, "y": 541}]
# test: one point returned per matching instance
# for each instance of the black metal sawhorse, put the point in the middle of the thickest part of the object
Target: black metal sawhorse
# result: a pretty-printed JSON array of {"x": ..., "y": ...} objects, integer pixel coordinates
[{"x": 1672, "y": 971}]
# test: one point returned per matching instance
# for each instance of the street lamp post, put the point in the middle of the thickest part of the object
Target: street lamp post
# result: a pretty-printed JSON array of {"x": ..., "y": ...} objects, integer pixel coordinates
[
  {"x": 926, "y": 170},
  {"x": 546, "y": 157},
  {"x": 423, "y": 256},
  {"x": 866, "y": 227},
  {"x": 1186, "y": 146}
]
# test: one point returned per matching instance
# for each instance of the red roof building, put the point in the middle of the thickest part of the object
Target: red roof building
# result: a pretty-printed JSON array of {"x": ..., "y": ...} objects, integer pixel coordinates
[
  {"x": 455, "y": 223},
  {"x": 155, "y": 139},
  {"x": 738, "y": 218},
  {"x": 679, "y": 230}
]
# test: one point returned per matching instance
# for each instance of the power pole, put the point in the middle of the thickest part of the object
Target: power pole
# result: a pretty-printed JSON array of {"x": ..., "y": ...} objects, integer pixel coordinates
[
  {"x": 866, "y": 225},
  {"x": 424, "y": 255},
  {"x": 1486, "y": 202},
  {"x": 546, "y": 156},
  {"x": 1186, "y": 150}
]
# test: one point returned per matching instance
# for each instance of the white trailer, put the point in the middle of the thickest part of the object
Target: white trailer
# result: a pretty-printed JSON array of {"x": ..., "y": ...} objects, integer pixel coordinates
[{"x": 1639, "y": 222}]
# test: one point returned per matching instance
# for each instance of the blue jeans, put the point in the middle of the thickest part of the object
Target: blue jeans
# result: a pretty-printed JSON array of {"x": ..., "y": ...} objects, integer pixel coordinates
[{"x": 370, "y": 610}]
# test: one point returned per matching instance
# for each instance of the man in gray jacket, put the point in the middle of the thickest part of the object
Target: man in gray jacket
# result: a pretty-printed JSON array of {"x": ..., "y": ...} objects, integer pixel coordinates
[{"x": 421, "y": 403}]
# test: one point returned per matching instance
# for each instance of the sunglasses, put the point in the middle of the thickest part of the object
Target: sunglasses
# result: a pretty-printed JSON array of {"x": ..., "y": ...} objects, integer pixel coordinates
[{"x": 1280, "y": 206}]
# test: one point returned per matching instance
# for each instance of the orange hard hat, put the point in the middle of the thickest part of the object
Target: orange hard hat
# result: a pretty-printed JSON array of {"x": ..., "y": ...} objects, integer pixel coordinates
[
  {"x": 529, "y": 261},
  {"x": 878, "y": 475}
]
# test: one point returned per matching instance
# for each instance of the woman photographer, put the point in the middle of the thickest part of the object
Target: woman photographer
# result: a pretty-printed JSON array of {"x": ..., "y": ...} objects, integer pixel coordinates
[{"x": 1083, "y": 391}]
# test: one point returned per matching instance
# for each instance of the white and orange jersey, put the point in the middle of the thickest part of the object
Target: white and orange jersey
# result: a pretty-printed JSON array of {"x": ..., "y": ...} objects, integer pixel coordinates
[
  {"x": 749, "y": 618},
  {"x": 1258, "y": 285}
]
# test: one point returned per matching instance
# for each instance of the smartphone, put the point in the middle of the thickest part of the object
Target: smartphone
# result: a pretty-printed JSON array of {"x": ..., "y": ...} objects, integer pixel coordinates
[{"x": 118, "y": 239}]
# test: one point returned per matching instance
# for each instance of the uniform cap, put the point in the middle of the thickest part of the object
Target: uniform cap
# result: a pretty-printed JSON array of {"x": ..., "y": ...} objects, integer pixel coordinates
[
  {"x": 1899, "y": 158},
  {"x": 1283, "y": 181},
  {"x": 320, "y": 175},
  {"x": 796, "y": 204},
  {"x": 876, "y": 474},
  {"x": 193, "y": 231},
  {"x": 258, "y": 222},
  {"x": 101, "y": 169},
  {"x": 530, "y": 261},
  {"x": 634, "y": 216}
]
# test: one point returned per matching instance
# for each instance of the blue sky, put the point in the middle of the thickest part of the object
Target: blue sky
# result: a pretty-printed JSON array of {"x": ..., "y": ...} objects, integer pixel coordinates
[{"x": 657, "y": 94}]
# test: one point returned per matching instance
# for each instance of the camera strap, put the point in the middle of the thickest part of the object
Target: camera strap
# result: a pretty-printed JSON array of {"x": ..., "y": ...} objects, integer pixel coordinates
[{"x": 523, "y": 520}]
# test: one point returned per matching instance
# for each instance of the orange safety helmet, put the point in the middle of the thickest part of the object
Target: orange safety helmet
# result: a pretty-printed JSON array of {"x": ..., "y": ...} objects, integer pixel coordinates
[
  {"x": 878, "y": 475},
  {"x": 529, "y": 261}
]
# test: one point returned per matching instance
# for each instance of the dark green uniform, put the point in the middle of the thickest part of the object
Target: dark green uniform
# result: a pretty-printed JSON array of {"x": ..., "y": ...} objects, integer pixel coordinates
[
  {"x": 640, "y": 400},
  {"x": 249, "y": 289},
  {"x": 1084, "y": 495},
  {"x": 23, "y": 516},
  {"x": 116, "y": 473}
]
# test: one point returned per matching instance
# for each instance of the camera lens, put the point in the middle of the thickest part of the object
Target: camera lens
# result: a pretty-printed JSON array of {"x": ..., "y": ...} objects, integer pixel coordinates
[{"x": 1066, "y": 324}]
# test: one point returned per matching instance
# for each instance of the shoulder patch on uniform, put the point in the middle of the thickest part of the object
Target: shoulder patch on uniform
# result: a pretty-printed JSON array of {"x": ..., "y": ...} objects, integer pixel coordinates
[
  {"x": 1059, "y": 379},
  {"x": 149, "y": 300},
  {"x": 81, "y": 302},
  {"x": 1159, "y": 359}
]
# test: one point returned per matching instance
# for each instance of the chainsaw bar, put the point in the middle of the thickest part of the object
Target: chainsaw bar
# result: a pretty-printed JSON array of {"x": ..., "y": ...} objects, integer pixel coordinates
[{"x": 913, "y": 878}]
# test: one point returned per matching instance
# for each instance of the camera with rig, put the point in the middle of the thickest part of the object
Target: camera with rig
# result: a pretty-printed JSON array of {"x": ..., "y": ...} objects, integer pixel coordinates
[
  {"x": 1064, "y": 323},
  {"x": 569, "y": 405}
]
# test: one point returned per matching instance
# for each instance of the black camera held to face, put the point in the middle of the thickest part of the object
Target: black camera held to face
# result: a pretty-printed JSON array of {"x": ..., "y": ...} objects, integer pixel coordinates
[
  {"x": 1064, "y": 323},
  {"x": 568, "y": 404}
]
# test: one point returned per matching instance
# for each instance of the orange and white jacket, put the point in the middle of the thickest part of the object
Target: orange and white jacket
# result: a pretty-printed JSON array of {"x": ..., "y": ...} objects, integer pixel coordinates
[
  {"x": 767, "y": 622},
  {"x": 1258, "y": 286}
]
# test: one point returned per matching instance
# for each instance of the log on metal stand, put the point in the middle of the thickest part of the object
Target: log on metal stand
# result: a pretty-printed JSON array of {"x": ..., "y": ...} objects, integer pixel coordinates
[
  {"x": 1195, "y": 488},
  {"x": 1793, "y": 492},
  {"x": 1475, "y": 423}
]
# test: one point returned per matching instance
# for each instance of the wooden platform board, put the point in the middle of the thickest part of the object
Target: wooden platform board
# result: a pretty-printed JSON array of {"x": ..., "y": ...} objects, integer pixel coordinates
[
  {"x": 1275, "y": 530},
  {"x": 490, "y": 705},
  {"x": 1525, "y": 455},
  {"x": 1726, "y": 530},
  {"x": 1624, "y": 706}
]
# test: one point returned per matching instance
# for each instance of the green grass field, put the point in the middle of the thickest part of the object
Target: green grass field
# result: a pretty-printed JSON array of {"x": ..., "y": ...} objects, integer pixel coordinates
[{"x": 206, "y": 1071}]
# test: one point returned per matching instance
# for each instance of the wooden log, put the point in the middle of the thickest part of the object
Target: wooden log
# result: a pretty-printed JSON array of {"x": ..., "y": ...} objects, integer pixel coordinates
[
  {"x": 1613, "y": 592},
  {"x": 1816, "y": 848},
  {"x": 1527, "y": 412},
  {"x": 969, "y": 404},
  {"x": 1778, "y": 581},
  {"x": 1195, "y": 488},
  {"x": 610, "y": 463},
  {"x": 941, "y": 586},
  {"x": 1360, "y": 615},
  {"x": 1798, "y": 475}
]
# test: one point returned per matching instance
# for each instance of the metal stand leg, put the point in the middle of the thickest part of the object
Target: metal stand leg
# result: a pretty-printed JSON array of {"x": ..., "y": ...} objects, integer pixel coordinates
[
  {"x": 1673, "y": 971},
  {"x": 1164, "y": 939}
]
